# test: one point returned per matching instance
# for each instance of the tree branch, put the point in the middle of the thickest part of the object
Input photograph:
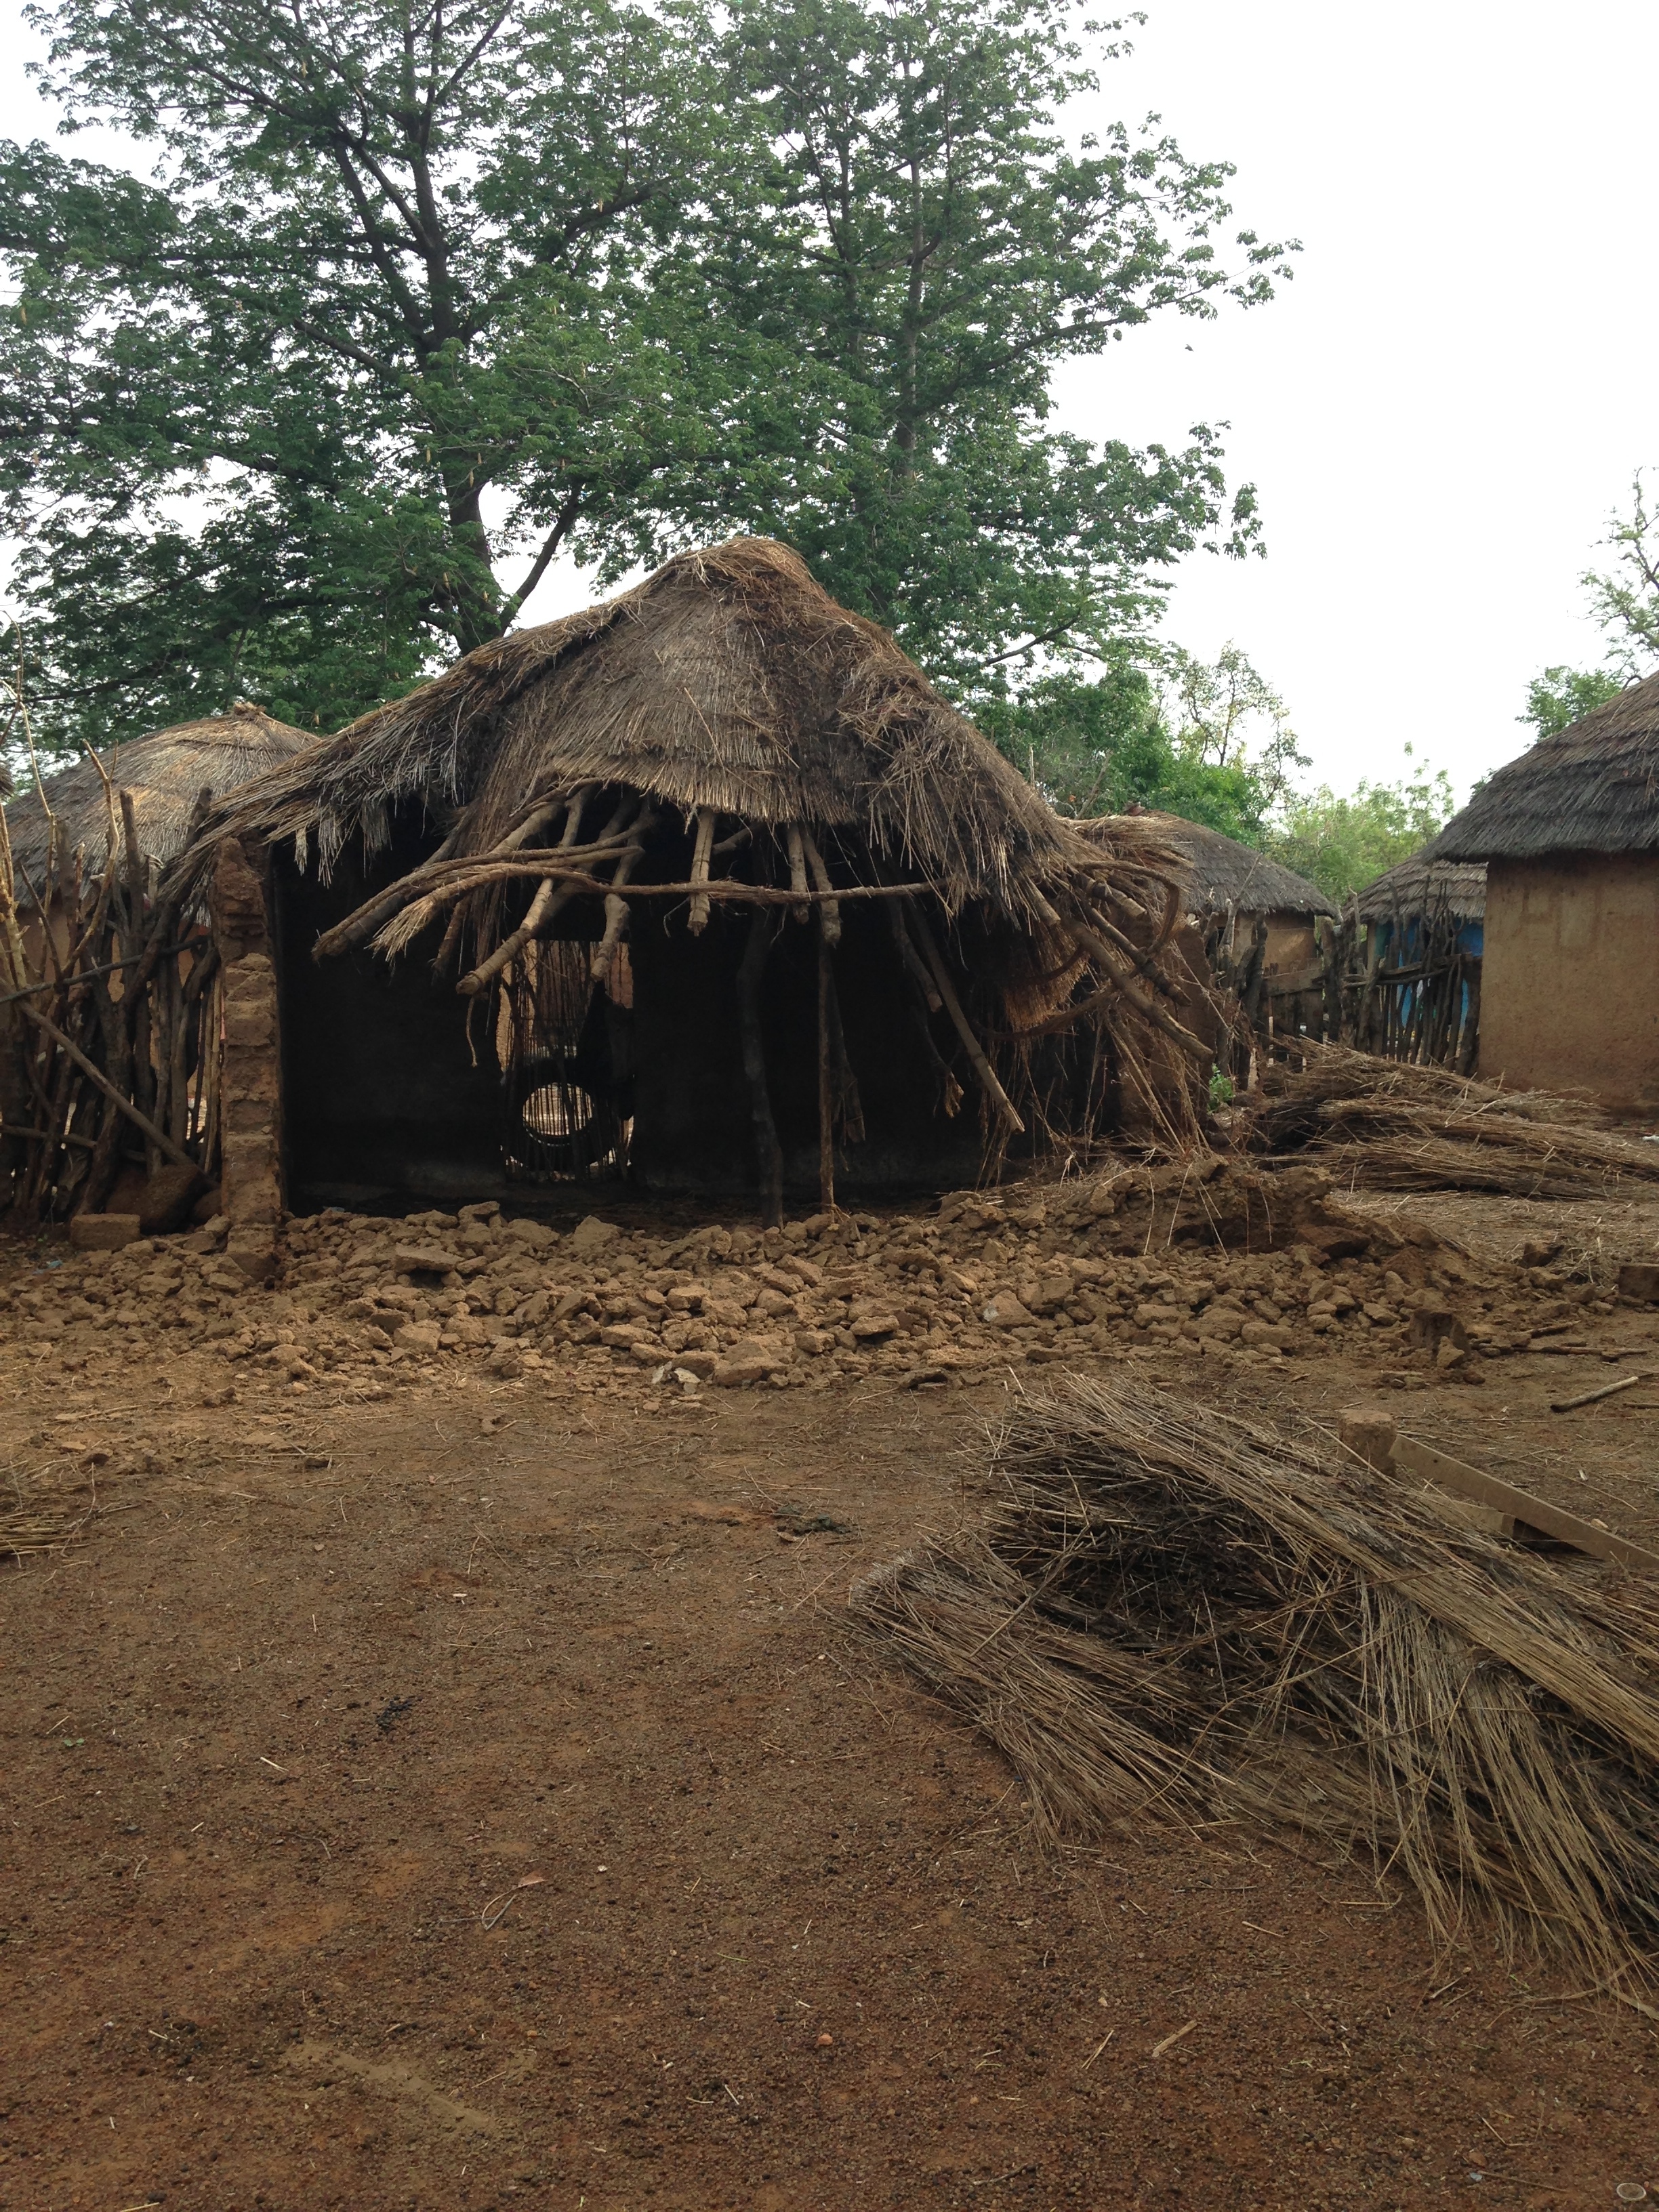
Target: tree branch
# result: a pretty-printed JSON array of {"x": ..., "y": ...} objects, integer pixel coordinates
[{"x": 555, "y": 538}]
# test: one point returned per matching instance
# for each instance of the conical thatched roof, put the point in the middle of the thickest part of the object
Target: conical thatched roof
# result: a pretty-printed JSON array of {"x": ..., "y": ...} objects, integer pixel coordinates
[
  {"x": 1593, "y": 789},
  {"x": 728, "y": 679},
  {"x": 1423, "y": 883},
  {"x": 165, "y": 772},
  {"x": 1218, "y": 872}
]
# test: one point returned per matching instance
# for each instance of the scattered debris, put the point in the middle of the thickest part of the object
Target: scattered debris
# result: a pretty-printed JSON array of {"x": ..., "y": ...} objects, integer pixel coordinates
[{"x": 27, "y": 1529}]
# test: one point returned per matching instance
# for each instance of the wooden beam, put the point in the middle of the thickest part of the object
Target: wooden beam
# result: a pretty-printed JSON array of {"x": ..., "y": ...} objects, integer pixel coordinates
[
  {"x": 161, "y": 1141},
  {"x": 1410, "y": 1457}
]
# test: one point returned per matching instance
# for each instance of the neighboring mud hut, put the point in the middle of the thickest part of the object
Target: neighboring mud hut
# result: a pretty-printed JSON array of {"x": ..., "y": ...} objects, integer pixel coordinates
[
  {"x": 1569, "y": 834},
  {"x": 710, "y": 870},
  {"x": 1248, "y": 923},
  {"x": 109, "y": 1016},
  {"x": 1412, "y": 962},
  {"x": 164, "y": 774}
]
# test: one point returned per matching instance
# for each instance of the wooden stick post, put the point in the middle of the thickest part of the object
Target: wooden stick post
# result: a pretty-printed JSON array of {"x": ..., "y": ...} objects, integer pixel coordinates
[
  {"x": 792, "y": 845},
  {"x": 696, "y": 920},
  {"x": 831, "y": 912},
  {"x": 512, "y": 945},
  {"x": 1000, "y": 1101},
  {"x": 162, "y": 1142},
  {"x": 616, "y": 906},
  {"x": 914, "y": 966},
  {"x": 769, "y": 1151},
  {"x": 826, "y": 1082}
]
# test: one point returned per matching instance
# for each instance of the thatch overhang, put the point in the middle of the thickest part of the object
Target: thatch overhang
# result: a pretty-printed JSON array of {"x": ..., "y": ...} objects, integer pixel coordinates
[
  {"x": 166, "y": 774},
  {"x": 1593, "y": 787},
  {"x": 1425, "y": 884},
  {"x": 1216, "y": 871},
  {"x": 728, "y": 679}
]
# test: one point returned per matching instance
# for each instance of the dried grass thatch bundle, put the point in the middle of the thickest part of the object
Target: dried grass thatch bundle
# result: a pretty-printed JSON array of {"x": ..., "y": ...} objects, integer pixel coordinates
[
  {"x": 1167, "y": 1610},
  {"x": 1386, "y": 1125},
  {"x": 27, "y": 1529}
]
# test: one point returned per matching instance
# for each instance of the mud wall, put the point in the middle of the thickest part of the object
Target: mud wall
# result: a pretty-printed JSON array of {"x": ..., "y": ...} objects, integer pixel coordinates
[
  {"x": 250, "y": 1084},
  {"x": 1570, "y": 981}
]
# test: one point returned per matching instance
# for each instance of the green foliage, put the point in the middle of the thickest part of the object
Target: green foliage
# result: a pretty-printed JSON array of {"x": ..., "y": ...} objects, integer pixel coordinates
[
  {"x": 1343, "y": 843},
  {"x": 1560, "y": 696},
  {"x": 414, "y": 304},
  {"x": 933, "y": 247},
  {"x": 1221, "y": 1089},
  {"x": 1207, "y": 740},
  {"x": 1624, "y": 603}
]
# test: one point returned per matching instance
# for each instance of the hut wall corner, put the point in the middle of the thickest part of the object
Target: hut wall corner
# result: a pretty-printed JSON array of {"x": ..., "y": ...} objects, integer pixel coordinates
[{"x": 250, "y": 1073}]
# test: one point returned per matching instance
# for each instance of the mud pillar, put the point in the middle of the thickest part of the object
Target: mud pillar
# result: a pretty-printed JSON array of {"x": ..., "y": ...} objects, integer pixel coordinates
[{"x": 250, "y": 1082}]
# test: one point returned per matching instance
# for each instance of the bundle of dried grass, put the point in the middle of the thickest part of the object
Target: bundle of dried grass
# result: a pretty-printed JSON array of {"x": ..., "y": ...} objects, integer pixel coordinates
[
  {"x": 1168, "y": 1611},
  {"x": 1385, "y": 1124}
]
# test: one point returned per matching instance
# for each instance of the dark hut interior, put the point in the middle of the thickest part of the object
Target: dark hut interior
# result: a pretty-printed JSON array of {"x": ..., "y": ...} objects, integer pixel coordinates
[{"x": 708, "y": 882}]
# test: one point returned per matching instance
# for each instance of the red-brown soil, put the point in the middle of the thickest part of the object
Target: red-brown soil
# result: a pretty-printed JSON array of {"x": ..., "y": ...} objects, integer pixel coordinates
[{"x": 475, "y": 1795}]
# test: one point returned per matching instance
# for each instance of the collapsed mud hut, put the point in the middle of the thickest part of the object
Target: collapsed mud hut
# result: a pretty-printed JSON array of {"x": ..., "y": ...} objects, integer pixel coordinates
[
  {"x": 110, "y": 1016},
  {"x": 712, "y": 864}
]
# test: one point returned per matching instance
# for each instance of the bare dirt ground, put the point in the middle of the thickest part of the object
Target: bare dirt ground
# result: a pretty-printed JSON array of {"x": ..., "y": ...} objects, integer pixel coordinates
[{"x": 474, "y": 1795}]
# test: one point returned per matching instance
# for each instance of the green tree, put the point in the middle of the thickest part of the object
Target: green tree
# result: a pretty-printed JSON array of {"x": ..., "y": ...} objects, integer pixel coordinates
[
  {"x": 931, "y": 243},
  {"x": 1207, "y": 740},
  {"x": 1624, "y": 602},
  {"x": 1091, "y": 744},
  {"x": 1228, "y": 719},
  {"x": 417, "y": 299},
  {"x": 1560, "y": 696},
  {"x": 1343, "y": 843},
  {"x": 390, "y": 261}
]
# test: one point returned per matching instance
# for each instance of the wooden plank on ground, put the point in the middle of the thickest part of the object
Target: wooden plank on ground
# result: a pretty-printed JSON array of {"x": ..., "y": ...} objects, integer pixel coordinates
[{"x": 1456, "y": 1475}]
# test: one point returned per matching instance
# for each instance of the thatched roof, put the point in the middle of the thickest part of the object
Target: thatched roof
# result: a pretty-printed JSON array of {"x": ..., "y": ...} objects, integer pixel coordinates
[
  {"x": 1593, "y": 789},
  {"x": 1219, "y": 872},
  {"x": 727, "y": 679},
  {"x": 165, "y": 772},
  {"x": 1423, "y": 884}
]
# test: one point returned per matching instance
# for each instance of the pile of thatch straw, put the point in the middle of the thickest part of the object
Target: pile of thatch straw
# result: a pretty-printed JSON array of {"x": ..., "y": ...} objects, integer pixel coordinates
[
  {"x": 1385, "y": 1124},
  {"x": 1169, "y": 1614}
]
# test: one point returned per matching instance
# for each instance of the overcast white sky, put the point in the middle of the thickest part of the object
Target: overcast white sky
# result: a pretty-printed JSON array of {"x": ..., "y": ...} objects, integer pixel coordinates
[{"x": 1442, "y": 409}]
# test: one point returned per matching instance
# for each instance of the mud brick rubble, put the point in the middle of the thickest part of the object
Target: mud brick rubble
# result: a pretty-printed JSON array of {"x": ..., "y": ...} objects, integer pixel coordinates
[{"x": 1124, "y": 1264}]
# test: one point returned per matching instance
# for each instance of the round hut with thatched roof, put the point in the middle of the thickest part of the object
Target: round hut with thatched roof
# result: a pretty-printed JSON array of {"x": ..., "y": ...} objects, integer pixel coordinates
[
  {"x": 708, "y": 876},
  {"x": 1403, "y": 895},
  {"x": 110, "y": 1019},
  {"x": 1248, "y": 924},
  {"x": 1221, "y": 880},
  {"x": 165, "y": 774},
  {"x": 1568, "y": 836}
]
